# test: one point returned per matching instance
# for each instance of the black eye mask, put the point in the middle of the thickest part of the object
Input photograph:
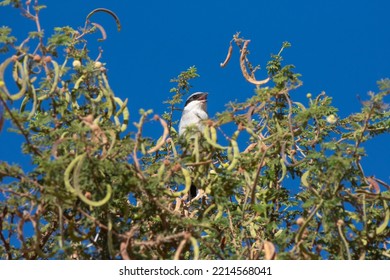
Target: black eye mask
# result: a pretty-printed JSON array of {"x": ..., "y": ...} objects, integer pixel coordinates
[{"x": 200, "y": 96}]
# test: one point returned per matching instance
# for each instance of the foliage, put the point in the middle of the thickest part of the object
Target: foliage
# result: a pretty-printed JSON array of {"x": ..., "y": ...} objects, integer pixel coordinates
[{"x": 287, "y": 184}]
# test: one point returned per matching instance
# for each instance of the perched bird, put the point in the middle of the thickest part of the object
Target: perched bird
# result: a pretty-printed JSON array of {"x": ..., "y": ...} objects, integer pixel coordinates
[{"x": 195, "y": 111}]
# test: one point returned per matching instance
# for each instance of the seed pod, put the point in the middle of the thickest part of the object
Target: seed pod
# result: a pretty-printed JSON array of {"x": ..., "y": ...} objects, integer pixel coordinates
[{"x": 228, "y": 56}]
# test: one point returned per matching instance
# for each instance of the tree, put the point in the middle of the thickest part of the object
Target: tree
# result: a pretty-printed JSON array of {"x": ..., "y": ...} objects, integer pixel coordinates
[{"x": 287, "y": 184}]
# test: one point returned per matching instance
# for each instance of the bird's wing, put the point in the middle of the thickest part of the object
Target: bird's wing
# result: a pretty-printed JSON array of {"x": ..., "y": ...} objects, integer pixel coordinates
[{"x": 202, "y": 115}]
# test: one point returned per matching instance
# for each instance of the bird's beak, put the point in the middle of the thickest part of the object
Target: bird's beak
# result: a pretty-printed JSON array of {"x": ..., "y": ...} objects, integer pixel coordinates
[{"x": 203, "y": 98}]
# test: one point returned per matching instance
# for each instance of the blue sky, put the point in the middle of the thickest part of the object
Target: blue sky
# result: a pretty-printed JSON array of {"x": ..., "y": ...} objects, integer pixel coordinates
[{"x": 340, "y": 47}]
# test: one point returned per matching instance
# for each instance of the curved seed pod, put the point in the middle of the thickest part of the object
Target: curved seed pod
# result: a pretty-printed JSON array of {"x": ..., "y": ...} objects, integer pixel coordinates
[
  {"x": 252, "y": 133},
  {"x": 211, "y": 207},
  {"x": 279, "y": 129},
  {"x": 252, "y": 230},
  {"x": 228, "y": 56},
  {"x": 213, "y": 132},
  {"x": 122, "y": 105},
  {"x": 195, "y": 247},
  {"x": 207, "y": 189},
  {"x": 206, "y": 134},
  {"x": 17, "y": 72},
  {"x": 102, "y": 30},
  {"x": 235, "y": 134},
  {"x": 239, "y": 200},
  {"x": 340, "y": 224},
  {"x": 236, "y": 155},
  {"x": 54, "y": 86},
  {"x": 117, "y": 121},
  {"x": 126, "y": 117},
  {"x": 304, "y": 178},
  {"x": 108, "y": 94},
  {"x": 68, "y": 170},
  {"x": 23, "y": 79},
  {"x": 243, "y": 67},
  {"x": 220, "y": 212},
  {"x": 187, "y": 179},
  {"x": 164, "y": 136},
  {"x": 110, "y": 106},
  {"x": 306, "y": 251},
  {"x": 109, "y": 237},
  {"x": 124, "y": 111},
  {"x": 248, "y": 180},
  {"x": 196, "y": 151},
  {"x": 24, "y": 103},
  {"x": 180, "y": 249},
  {"x": 56, "y": 76},
  {"x": 175, "y": 154},
  {"x": 56, "y": 143},
  {"x": 230, "y": 153},
  {"x": 269, "y": 250},
  {"x": 97, "y": 203},
  {"x": 77, "y": 238},
  {"x": 105, "y": 81},
  {"x": 112, "y": 144},
  {"x": 34, "y": 107},
  {"x": 99, "y": 97},
  {"x": 67, "y": 95},
  {"x": 111, "y": 13},
  {"x": 79, "y": 81},
  {"x": 160, "y": 173},
  {"x": 385, "y": 223},
  {"x": 300, "y": 105},
  {"x": 110, "y": 103},
  {"x": 284, "y": 170},
  {"x": 302, "y": 228},
  {"x": 76, "y": 176}
]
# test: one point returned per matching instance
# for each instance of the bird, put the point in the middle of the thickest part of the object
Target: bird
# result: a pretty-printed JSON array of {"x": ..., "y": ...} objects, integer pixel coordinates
[{"x": 194, "y": 113}]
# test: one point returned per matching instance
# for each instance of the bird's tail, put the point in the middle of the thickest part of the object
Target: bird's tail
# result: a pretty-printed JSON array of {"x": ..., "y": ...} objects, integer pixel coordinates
[{"x": 193, "y": 191}]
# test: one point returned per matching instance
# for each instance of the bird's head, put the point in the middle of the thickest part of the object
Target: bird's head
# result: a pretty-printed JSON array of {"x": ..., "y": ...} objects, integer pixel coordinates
[{"x": 197, "y": 99}]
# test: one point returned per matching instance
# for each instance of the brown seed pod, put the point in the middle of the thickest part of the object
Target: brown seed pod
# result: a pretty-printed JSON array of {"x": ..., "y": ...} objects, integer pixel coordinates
[
  {"x": 228, "y": 56},
  {"x": 243, "y": 67},
  {"x": 269, "y": 250},
  {"x": 373, "y": 184}
]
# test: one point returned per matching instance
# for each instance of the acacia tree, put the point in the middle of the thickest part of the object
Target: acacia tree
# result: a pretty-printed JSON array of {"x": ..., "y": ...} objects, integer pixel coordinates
[{"x": 287, "y": 184}]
